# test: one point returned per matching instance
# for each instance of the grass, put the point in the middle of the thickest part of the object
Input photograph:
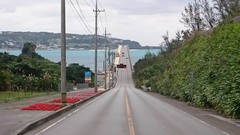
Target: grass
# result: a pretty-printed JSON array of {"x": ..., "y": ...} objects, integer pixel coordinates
[{"x": 11, "y": 96}]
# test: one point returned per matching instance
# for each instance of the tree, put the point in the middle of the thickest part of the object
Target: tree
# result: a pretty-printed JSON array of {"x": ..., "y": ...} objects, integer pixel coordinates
[
  {"x": 6, "y": 75},
  {"x": 227, "y": 8},
  {"x": 221, "y": 7},
  {"x": 234, "y": 6},
  {"x": 167, "y": 43},
  {"x": 192, "y": 17},
  {"x": 168, "y": 46},
  {"x": 185, "y": 34},
  {"x": 208, "y": 14},
  {"x": 5, "y": 79},
  {"x": 76, "y": 73}
]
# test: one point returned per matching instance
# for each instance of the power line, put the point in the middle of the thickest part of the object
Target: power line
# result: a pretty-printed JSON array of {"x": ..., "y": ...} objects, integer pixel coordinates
[
  {"x": 87, "y": 26},
  {"x": 89, "y": 4},
  {"x": 80, "y": 17},
  {"x": 82, "y": 13},
  {"x": 106, "y": 23},
  {"x": 107, "y": 27},
  {"x": 100, "y": 4},
  {"x": 93, "y": 3},
  {"x": 101, "y": 21},
  {"x": 80, "y": 9},
  {"x": 75, "y": 14}
]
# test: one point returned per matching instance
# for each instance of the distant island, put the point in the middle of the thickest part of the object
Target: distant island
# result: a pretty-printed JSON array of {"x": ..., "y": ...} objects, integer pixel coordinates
[{"x": 52, "y": 41}]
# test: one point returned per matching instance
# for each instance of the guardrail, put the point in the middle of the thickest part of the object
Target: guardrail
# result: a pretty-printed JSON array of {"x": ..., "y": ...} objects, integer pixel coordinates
[{"x": 129, "y": 57}]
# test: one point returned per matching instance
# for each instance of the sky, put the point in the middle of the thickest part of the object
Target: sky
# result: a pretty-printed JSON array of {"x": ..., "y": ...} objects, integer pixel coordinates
[{"x": 144, "y": 21}]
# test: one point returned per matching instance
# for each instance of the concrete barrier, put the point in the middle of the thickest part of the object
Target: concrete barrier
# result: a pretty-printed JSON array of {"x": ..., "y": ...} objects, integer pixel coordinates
[
  {"x": 147, "y": 89},
  {"x": 82, "y": 85},
  {"x": 69, "y": 87}
]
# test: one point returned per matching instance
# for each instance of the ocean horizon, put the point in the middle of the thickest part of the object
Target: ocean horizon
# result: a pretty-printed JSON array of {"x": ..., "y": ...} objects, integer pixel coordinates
[{"x": 83, "y": 57}]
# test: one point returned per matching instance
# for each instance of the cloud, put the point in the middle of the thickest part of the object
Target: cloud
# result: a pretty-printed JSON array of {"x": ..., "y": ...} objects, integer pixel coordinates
[
  {"x": 29, "y": 15},
  {"x": 145, "y": 21},
  {"x": 141, "y": 20},
  {"x": 7, "y": 9},
  {"x": 144, "y": 7},
  {"x": 146, "y": 29}
]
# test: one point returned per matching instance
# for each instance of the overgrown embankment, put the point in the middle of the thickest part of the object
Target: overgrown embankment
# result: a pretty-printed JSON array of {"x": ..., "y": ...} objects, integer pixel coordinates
[{"x": 204, "y": 70}]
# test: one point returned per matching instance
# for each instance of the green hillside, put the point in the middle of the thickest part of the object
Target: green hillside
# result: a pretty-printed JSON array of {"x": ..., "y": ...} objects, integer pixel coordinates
[
  {"x": 46, "y": 40},
  {"x": 204, "y": 70}
]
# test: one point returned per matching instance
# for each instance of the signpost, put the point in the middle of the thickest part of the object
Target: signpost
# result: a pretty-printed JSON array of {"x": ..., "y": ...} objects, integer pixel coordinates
[{"x": 88, "y": 75}]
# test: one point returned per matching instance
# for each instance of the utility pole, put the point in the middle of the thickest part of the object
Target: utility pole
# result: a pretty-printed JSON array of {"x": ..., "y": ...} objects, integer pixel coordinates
[
  {"x": 113, "y": 57},
  {"x": 63, "y": 53},
  {"x": 95, "y": 70},
  {"x": 109, "y": 67},
  {"x": 105, "y": 61}
]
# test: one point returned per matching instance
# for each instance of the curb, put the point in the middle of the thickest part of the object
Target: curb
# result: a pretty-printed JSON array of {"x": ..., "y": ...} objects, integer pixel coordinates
[{"x": 32, "y": 125}]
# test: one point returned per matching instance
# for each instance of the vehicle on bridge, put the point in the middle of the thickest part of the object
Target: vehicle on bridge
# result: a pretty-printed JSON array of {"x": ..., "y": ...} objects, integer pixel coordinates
[
  {"x": 117, "y": 54},
  {"x": 121, "y": 65}
]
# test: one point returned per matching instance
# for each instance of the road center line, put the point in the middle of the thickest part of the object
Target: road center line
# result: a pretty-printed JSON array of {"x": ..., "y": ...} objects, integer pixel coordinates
[{"x": 129, "y": 116}]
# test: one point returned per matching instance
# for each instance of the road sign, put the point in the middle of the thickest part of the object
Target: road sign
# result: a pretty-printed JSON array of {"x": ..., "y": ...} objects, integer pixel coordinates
[{"x": 88, "y": 76}]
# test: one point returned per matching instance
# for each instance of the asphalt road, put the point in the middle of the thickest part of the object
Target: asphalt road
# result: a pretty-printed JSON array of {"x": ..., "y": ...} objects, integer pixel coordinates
[{"x": 125, "y": 110}]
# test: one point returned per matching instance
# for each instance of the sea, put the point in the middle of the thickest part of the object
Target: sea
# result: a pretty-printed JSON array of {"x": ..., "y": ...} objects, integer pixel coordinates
[{"x": 84, "y": 57}]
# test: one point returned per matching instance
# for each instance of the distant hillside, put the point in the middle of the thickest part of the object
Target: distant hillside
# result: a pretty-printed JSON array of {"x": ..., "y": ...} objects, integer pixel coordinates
[{"x": 46, "y": 40}]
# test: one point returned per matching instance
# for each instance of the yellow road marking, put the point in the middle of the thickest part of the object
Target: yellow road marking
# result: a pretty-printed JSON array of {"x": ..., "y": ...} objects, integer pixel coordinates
[{"x": 130, "y": 121}]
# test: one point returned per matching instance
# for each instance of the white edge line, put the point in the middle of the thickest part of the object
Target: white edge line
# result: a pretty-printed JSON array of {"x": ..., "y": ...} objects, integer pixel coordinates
[
  {"x": 191, "y": 116},
  {"x": 198, "y": 119},
  {"x": 205, "y": 123},
  {"x": 45, "y": 129}
]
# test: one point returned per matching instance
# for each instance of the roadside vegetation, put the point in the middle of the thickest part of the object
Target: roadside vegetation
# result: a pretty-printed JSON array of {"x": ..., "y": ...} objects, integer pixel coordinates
[
  {"x": 11, "y": 96},
  {"x": 200, "y": 65},
  {"x": 29, "y": 74}
]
